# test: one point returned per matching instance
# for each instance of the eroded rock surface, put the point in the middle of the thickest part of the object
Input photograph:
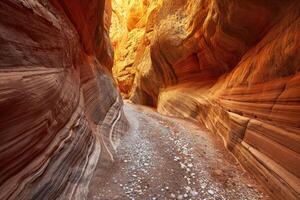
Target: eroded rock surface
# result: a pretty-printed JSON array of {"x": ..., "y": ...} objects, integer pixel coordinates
[
  {"x": 233, "y": 66},
  {"x": 59, "y": 108},
  {"x": 130, "y": 19}
]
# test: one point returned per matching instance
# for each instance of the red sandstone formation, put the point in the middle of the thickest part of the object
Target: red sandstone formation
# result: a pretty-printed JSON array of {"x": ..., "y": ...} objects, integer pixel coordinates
[
  {"x": 56, "y": 97},
  {"x": 233, "y": 66}
]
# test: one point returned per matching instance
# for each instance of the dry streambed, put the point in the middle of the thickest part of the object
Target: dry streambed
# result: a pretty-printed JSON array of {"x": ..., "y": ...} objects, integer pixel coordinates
[{"x": 168, "y": 158}]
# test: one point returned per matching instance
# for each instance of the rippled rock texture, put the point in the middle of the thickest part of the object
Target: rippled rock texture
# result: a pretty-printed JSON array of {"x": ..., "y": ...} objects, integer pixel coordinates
[
  {"x": 59, "y": 109},
  {"x": 233, "y": 66}
]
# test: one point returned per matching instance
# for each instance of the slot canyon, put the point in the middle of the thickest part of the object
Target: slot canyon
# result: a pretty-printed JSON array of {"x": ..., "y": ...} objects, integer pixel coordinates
[{"x": 150, "y": 99}]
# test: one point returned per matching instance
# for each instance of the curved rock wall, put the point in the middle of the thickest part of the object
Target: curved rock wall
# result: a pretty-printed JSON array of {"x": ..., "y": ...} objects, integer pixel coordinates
[
  {"x": 55, "y": 93},
  {"x": 233, "y": 66},
  {"x": 129, "y": 21}
]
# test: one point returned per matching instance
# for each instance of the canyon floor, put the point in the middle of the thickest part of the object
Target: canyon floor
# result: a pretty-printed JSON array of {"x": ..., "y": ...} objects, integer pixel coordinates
[{"x": 170, "y": 158}]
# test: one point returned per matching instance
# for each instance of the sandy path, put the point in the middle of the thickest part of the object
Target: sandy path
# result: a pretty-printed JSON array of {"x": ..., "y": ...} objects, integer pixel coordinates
[{"x": 169, "y": 158}]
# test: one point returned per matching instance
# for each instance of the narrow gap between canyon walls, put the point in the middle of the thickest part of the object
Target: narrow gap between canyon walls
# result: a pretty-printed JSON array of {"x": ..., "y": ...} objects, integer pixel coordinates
[
  {"x": 149, "y": 99},
  {"x": 180, "y": 60}
]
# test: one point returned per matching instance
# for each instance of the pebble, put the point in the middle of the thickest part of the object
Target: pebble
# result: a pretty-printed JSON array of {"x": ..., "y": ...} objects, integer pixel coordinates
[
  {"x": 185, "y": 151},
  {"x": 190, "y": 165},
  {"x": 182, "y": 165},
  {"x": 188, "y": 188},
  {"x": 194, "y": 193},
  {"x": 176, "y": 158},
  {"x": 211, "y": 192},
  {"x": 173, "y": 196},
  {"x": 180, "y": 197}
]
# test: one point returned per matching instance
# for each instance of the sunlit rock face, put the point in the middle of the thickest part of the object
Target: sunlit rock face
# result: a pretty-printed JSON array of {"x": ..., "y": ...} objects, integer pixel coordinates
[
  {"x": 58, "y": 103},
  {"x": 233, "y": 66},
  {"x": 129, "y": 21}
]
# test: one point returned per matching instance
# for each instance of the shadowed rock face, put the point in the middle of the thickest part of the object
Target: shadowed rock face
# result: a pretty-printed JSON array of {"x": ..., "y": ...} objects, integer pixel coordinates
[
  {"x": 56, "y": 97},
  {"x": 233, "y": 66}
]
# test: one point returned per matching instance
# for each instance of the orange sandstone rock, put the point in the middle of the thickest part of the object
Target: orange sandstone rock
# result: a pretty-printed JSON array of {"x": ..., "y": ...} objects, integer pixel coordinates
[
  {"x": 130, "y": 21},
  {"x": 233, "y": 66}
]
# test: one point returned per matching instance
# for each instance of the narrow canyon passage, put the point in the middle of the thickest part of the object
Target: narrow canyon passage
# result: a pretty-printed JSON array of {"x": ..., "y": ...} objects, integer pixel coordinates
[
  {"x": 169, "y": 158},
  {"x": 149, "y": 99}
]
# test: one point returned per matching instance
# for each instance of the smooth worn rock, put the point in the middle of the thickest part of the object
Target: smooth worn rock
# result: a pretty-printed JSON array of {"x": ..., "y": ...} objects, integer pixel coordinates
[
  {"x": 59, "y": 109},
  {"x": 234, "y": 67}
]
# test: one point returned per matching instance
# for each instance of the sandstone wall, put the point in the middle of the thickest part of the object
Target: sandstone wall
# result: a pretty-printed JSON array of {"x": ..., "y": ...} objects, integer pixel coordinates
[
  {"x": 129, "y": 22},
  {"x": 233, "y": 66},
  {"x": 55, "y": 93}
]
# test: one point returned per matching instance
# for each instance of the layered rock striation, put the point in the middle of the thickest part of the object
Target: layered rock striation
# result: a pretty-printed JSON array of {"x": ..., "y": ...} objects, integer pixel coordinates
[
  {"x": 59, "y": 109},
  {"x": 234, "y": 67},
  {"x": 231, "y": 65}
]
